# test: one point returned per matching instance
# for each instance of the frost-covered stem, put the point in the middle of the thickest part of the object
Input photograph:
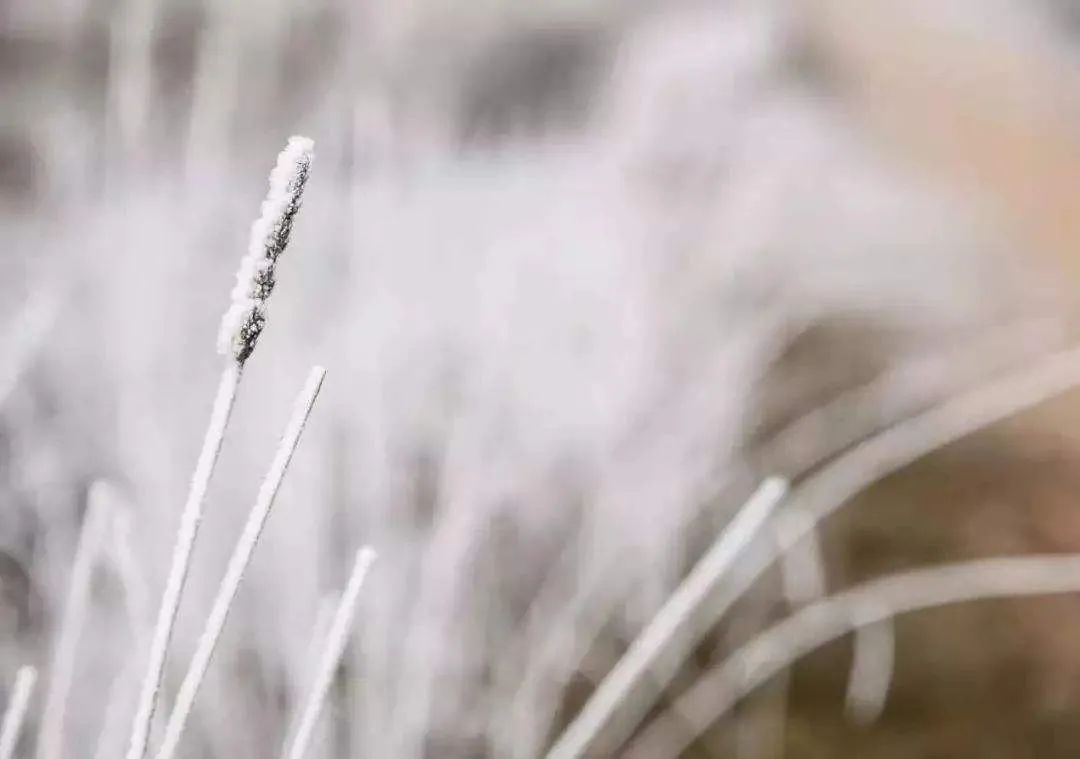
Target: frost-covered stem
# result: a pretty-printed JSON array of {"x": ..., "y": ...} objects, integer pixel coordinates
[
  {"x": 238, "y": 564},
  {"x": 15, "y": 713},
  {"x": 676, "y": 614},
  {"x": 181, "y": 559},
  {"x": 91, "y": 537},
  {"x": 324, "y": 616},
  {"x": 123, "y": 691},
  {"x": 240, "y": 329},
  {"x": 874, "y": 602},
  {"x": 336, "y": 641}
]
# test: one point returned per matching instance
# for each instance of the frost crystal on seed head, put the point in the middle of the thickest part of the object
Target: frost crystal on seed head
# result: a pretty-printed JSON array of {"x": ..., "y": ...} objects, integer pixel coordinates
[{"x": 243, "y": 322}]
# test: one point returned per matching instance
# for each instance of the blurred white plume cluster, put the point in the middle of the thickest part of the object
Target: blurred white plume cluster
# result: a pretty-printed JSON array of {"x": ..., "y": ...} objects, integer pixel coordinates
[{"x": 578, "y": 272}]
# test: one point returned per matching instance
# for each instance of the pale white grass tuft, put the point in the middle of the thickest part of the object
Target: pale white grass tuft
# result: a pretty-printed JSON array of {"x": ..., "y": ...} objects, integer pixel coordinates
[
  {"x": 824, "y": 492},
  {"x": 238, "y": 563},
  {"x": 336, "y": 640},
  {"x": 15, "y": 713},
  {"x": 807, "y": 442},
  {"x": 870, "y": 603},
  {"x": 677, "y": 615},
  {"x": 61, "y": 671},
  {"x": 241, "y": 327}
]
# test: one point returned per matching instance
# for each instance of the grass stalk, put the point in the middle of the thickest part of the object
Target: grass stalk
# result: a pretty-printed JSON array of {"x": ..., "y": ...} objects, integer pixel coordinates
[
  {"x": 181, "y": 559},
  {"x": 238, "y": 564},
  {"x": 888, "y": 451},
  {"x": 25, "y": 679},
  {"x": 675, "y": 615},
  {"x": 91, "y": 539},
  {"x": 871, "y": 603},
  {"x": 336, "y": 640},
  {"x": 241, "y": 326}
]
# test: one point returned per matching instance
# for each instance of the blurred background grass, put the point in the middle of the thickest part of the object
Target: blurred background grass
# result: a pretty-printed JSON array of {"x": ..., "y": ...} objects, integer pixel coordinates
[{"x": 575, "y": 270}]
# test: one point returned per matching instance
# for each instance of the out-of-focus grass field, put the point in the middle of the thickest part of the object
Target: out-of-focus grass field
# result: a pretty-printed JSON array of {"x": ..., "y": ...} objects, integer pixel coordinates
[{"x": 582, "y": 275}]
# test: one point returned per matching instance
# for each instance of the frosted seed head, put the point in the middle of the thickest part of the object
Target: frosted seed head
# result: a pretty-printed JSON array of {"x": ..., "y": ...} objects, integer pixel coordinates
[{"x": 244, "y": 320}]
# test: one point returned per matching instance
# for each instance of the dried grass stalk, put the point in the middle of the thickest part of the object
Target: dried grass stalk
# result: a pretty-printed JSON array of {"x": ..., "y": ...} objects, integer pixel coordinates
[
  {"x": 871, "y": 603},
  {"x": 238, "y": 564},
  {"x": 91, "y": 540},
  {"x": 336, "y": 641},
  {"x": 241, "y": 326},
  {"x": 676, "y": 616}
]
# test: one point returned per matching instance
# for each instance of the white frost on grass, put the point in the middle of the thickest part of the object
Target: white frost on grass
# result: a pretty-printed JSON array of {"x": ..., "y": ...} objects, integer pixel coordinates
[{"x": 244, "y": 320}]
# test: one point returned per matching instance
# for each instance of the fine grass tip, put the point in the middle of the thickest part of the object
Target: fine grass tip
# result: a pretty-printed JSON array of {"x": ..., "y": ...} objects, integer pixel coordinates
[{"x": 244, "y": 320}]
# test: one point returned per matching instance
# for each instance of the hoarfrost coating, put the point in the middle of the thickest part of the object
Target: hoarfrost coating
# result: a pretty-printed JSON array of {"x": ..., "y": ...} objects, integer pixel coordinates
[{"x": 243, "y": 321}]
